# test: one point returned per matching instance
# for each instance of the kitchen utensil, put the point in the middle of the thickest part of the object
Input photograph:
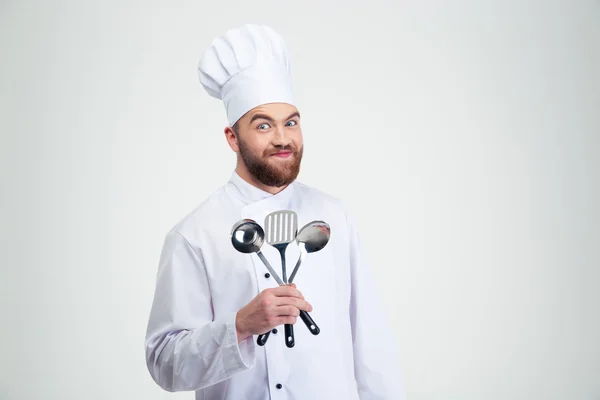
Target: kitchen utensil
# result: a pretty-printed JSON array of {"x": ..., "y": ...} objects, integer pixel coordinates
[
  {"x": 311, "y": 238},
  {"x": 248, "y": 237},
  {"x": 281, "y": 228}
]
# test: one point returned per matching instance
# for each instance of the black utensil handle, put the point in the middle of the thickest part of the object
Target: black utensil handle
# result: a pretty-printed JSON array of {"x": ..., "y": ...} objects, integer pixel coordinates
[
  {"x": 310, "y": 324},
  {"x": 290, "y": 341},
  {"x": 262, "y": 339}
]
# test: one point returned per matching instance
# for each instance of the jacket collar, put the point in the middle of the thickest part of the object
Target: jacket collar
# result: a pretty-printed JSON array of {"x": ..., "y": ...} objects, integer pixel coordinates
[{"x": 251, "y": 195}]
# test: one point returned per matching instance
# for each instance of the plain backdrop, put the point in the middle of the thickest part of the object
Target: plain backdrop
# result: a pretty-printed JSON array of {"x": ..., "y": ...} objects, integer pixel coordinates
[{"x": 465, "y": 136}]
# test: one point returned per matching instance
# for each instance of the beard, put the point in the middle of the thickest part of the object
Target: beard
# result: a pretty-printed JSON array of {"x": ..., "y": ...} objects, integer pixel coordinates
[{"x": 268, "y": 174}]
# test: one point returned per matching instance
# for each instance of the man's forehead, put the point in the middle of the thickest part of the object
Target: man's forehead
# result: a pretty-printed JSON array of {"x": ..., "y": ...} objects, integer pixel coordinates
[{"x": 275, "y": 111}]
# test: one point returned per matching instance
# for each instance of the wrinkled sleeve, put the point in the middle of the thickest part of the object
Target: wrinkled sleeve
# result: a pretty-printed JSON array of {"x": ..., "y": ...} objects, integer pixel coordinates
[
  {"x": 376, "y": 364},
  {"x": 186, "y": 347}
]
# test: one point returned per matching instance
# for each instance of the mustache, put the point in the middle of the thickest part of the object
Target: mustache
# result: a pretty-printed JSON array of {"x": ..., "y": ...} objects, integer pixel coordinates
[{"x": 278, "y": 149}]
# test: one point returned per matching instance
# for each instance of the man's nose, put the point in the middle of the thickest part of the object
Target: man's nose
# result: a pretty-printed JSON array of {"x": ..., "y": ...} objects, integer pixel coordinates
[{"x": 281, "y": 138}]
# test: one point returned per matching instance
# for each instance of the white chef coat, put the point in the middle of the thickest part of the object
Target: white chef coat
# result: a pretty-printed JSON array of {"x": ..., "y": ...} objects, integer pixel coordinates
[{"x": 191, "y": 342}]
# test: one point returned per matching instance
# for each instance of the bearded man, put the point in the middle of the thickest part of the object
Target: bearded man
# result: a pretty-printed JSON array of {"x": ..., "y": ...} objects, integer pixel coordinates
[{"x": 212, "y": 303}]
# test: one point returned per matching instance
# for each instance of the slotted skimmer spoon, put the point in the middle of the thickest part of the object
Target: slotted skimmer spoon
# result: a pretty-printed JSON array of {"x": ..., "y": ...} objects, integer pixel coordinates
[{"x": 280, "y": 230}]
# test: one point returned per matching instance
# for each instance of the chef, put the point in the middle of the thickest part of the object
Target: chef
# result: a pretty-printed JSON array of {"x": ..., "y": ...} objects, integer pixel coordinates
[{"x": 211, "y": 302}]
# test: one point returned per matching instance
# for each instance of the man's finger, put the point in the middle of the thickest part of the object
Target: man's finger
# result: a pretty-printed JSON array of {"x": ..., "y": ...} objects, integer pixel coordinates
[{"x": 287, "y": 291}]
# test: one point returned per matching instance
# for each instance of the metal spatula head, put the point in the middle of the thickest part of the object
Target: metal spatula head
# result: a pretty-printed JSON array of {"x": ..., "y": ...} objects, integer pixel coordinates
[{"x": 281, "y": 227}]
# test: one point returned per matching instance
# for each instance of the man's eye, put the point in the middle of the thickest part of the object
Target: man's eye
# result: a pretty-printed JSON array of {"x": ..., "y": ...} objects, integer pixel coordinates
[
  {"x": 291, "y": 123},
  {"x": 263, "y": 126}
]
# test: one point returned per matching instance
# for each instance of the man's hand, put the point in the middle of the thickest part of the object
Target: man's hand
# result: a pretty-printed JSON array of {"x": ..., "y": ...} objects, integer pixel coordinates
[{"x": 271, "y": 308}]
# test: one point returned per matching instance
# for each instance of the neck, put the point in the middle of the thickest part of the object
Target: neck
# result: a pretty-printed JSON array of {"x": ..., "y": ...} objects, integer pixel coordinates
[{"x": 243, "y": 172}]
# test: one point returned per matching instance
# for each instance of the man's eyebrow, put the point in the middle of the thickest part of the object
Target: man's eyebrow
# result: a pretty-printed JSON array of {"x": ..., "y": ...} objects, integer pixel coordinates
[
  {"x": 292, "y": 115},
  {"x": 268, "y": 118},
  {"x": 261, "y": 116}
]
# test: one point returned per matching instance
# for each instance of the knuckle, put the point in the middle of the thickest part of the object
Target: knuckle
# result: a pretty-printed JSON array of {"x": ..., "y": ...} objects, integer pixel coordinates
[{"x": 265, "y": 302}]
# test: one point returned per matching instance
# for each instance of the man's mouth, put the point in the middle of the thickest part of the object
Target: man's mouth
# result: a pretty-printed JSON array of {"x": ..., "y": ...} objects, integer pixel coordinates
[{"x": 282, "y": 154}]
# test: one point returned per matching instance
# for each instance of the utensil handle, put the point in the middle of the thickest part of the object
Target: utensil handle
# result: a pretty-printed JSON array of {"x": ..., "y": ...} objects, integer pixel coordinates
[
  {"x": 290, "y": 341},
  {"x": 310, "y": 324},
  {"x": 262, "y": 339},
  {"x": 283, "y": 266},
  {"x": 269, "y": 267},
  {"x": 302, "y": 254}
]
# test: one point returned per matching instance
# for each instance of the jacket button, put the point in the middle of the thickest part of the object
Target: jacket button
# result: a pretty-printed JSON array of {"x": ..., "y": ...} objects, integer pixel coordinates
[
  {"x": 267, "y": 275},
  {"x": 275, "y": 331},
  {"x": 279, "y": 386}
]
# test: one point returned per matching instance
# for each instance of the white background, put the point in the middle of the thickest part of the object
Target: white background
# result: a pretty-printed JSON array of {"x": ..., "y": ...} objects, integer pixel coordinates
[{"x": 465, "y": 135}]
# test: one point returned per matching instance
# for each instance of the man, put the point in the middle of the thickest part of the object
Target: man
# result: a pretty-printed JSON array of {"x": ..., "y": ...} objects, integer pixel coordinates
[{"x": 212, "y": 301}]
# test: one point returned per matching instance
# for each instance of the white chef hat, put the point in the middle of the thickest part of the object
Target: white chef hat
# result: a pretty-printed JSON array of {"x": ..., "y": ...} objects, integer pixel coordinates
[{"x": 247, "y": 67}]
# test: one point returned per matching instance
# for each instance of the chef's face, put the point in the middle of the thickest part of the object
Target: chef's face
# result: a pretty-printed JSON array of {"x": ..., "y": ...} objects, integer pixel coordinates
[{"x": 269, "y": 141}]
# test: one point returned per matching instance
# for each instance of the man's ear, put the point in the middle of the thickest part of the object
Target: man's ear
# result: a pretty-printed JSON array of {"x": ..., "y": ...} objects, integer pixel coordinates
[{"x": 231, "y": 137}]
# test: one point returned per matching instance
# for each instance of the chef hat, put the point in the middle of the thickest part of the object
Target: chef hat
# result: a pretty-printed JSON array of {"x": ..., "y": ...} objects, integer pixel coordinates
[{"x": 247, "y": 67}]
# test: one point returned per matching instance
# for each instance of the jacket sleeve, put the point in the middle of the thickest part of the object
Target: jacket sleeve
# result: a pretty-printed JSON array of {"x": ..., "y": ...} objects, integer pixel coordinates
[
  {"x": 186, "y": 348},
  {"x": 376, "y": 364}
]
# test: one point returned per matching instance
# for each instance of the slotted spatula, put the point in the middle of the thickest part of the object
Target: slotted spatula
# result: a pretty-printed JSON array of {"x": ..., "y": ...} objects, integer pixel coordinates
[{"x": 280, "y": 230}]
